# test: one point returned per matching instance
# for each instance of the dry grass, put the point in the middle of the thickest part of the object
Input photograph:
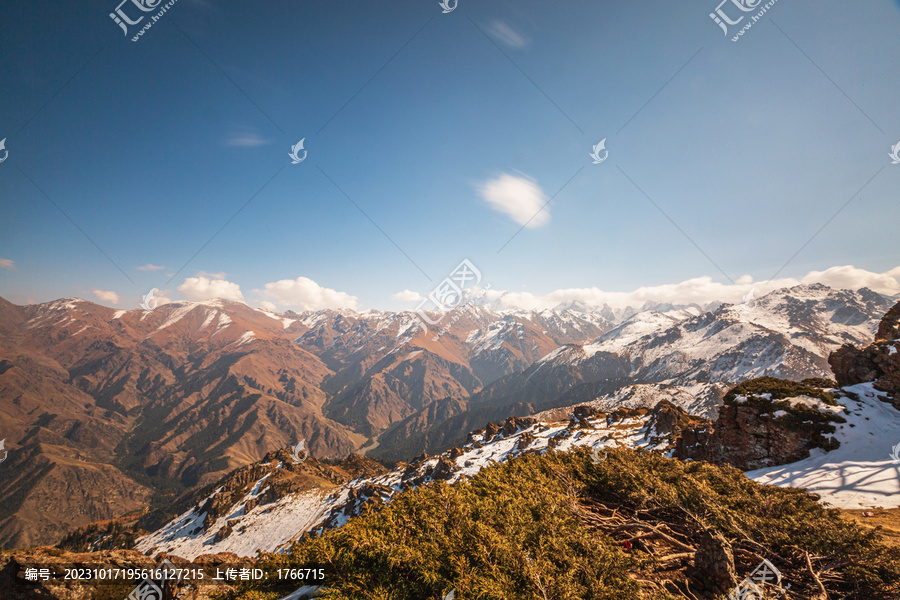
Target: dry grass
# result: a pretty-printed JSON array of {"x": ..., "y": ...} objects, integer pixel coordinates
[{"x": 886, "y": 521}]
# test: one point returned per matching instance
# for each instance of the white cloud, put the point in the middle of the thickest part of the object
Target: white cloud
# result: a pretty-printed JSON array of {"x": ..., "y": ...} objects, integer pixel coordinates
[
  {"x": 107, "y": 296},
  {"x": 150, "y": 267},
  {"x": 6, "y": 263},
  {"x": 851, "y": 278},
  {"x": 408, "y": 296},
  {"x": 203, "y": 288},
  {"x": 699, "y": 290},
  {"x": 504, "y": 32},
  {"x": 269, "y": 306},
  {"x": 306, "y": 294},
  {"x": 519, "y": 197},
  {"x": 160, "y": 297}
]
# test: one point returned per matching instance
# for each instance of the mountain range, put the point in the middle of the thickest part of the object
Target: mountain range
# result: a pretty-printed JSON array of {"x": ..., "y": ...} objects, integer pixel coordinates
[{"x": 110, "y": 412}]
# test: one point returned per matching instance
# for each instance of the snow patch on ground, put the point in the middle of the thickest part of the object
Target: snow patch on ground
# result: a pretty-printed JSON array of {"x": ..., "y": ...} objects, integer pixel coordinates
[
  {"x": 815, "y": 403},
  {"x": 246, "y": 338},
  {"x": 273, "y": 527},
  {"x": 266, "y": 527},
  {"x": 859, "y": 474},
  {"x": 285, "y": 322}
]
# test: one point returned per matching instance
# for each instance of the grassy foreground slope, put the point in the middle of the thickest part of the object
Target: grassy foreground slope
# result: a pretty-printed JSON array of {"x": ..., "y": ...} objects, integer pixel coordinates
[{"x": 562, "y": 526}]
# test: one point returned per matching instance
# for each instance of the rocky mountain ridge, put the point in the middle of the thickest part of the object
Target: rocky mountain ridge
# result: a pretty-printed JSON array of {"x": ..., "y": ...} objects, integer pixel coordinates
[{"x": 788, "y": 334}]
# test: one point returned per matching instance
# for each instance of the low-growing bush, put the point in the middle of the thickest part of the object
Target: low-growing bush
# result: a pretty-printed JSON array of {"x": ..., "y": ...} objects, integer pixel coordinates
[{"x": 514, "y": 532}]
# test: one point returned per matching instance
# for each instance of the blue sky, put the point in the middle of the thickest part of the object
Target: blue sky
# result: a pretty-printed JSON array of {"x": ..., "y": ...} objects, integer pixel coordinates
[{"x": 745, "y": 149}]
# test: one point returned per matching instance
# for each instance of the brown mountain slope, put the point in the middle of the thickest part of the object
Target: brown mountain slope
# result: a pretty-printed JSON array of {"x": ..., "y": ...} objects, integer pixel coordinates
[
  {"x": 122, "y": 400},
  {"x": 173, "y": 398},
  {"x": 387, "y": 367},
  {"x": 47, "y": 488}
]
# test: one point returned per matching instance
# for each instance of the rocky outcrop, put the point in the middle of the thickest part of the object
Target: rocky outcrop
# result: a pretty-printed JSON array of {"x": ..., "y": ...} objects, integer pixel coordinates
[
  {"x": 667, "y": 422},
  {"x": 514, "y": 424},
  {"x": 889, "y": 329},
  {"x": 758, "y": 427},
  {"x": 743, "y": 438},
  {"x": 878, "y": 362}
]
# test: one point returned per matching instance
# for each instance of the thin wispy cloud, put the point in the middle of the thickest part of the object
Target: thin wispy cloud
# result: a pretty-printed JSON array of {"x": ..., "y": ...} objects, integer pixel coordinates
[
  {"x": 7, "y": 264},
  {"x": 247, "y": 139},
  {"x": 150, "y": 267},
  {"x": 507, "y": 35},
  {"x": 520, "y": 198}
]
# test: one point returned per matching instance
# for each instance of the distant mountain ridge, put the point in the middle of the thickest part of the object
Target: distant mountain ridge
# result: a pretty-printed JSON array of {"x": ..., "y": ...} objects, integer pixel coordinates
[{"x": 788, "y": 333}]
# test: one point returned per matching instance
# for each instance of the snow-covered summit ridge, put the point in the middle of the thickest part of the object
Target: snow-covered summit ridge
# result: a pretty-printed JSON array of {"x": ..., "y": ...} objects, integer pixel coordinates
[
  {"x": 788, "y": 333},
  {"x": 253, "y": 524}
]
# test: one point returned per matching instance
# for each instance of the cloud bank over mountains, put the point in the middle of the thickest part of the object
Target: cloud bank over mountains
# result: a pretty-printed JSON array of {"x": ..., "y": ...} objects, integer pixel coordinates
[
  {"x": 303, "y": 294},
  {"x": 699, "y": 290}
]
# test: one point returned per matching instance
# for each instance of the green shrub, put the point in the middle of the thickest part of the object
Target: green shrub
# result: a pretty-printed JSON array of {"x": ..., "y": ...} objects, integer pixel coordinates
[
  {"x": 820, "y": 382},
  {"x": 780, "y": 389},
  {"x": 511, "y": 533}
]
